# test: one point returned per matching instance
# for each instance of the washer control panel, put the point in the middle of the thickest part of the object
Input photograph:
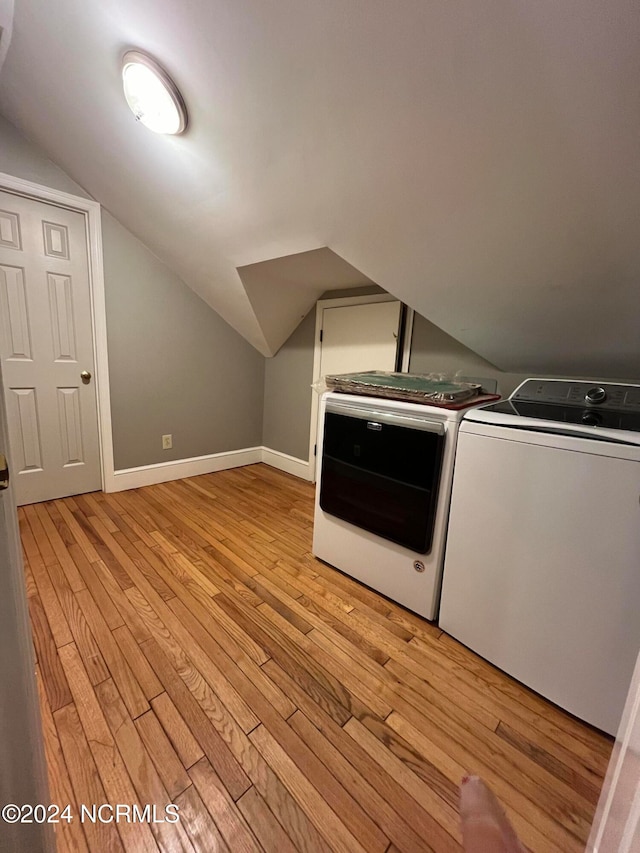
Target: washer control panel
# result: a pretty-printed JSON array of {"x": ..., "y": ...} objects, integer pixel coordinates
[{"x": 568, "y": 392}]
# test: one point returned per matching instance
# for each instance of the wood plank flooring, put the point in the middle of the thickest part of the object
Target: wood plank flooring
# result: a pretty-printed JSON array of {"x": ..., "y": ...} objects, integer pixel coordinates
[{"x": 190, "y": 650}]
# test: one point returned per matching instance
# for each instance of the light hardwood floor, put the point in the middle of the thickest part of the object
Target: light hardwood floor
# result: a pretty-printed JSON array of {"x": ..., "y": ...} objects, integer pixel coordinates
[{"x": 192, "y": 651}]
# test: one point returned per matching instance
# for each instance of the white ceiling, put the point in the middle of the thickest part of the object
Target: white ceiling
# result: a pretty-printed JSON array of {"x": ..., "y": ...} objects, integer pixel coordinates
[{"x": 477, "y": 159}]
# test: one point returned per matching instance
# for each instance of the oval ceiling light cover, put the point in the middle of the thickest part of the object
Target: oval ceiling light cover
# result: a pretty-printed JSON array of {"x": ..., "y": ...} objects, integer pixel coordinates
[{"x": 153, "y": 97}]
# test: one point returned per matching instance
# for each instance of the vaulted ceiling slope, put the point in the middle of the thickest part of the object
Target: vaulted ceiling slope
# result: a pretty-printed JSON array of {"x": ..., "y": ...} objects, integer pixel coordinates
[{"x": 478, "y": 159}]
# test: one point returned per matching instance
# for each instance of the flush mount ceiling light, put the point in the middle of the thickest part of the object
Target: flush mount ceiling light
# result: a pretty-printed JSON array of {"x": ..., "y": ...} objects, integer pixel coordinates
[{"x": 153, "y": 97}]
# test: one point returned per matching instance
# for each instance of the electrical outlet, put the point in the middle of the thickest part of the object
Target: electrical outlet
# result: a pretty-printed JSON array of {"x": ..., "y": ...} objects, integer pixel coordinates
[{"x": 167, "y": 442}]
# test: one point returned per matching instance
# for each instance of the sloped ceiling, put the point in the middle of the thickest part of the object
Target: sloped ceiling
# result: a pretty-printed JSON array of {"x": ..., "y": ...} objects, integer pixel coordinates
[
  {"x": 282, "y": 291},
  {"x": 478, "y": 159},
  {"x": 6, "y": 25}
]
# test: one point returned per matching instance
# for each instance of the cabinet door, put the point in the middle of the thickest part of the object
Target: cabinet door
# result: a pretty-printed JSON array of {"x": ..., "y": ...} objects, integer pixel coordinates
[{"x": 359, "y": 337}]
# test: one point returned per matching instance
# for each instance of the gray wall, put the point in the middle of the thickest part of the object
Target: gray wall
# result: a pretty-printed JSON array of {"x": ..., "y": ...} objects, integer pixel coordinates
[
  {"x": 175, "y": 366},
  {"x": 287, "y": 393},
  {"x": 434, "y": 351},
  {"x": 288, "y": 377},
  {"x": 22, "y": 159}
]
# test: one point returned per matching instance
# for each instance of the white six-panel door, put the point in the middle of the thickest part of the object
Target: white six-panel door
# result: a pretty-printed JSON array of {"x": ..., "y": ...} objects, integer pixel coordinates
[{"x": 46, "y": 344}]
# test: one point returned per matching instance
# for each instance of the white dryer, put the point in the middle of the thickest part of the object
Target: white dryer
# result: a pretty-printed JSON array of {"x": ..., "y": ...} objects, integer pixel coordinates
[
  {"x": 542, "y": 564},
  {"x": 382, "y": 498}
]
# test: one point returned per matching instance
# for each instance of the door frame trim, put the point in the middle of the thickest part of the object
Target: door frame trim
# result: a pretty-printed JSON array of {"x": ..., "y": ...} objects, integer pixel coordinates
[
  {"x": 321, "y": 306},
  {"x": 91, "y": 211}
]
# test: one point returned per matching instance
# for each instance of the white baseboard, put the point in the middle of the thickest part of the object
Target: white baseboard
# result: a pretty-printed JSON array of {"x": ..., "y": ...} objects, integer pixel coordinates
[
  {"x": 290, "y": 464},
  {"x": 163, "y": 472}
]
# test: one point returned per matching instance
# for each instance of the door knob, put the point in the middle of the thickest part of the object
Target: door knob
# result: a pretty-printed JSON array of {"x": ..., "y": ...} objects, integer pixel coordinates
[
  {"x": 4, "y": 472},
  {"x": 86, "y": 377}
]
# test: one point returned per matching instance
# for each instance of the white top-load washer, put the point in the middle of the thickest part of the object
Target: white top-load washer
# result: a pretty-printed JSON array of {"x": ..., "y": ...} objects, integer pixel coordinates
[
  {"x": 542, "y": 567},
  {"x": 382, "y": 496}
]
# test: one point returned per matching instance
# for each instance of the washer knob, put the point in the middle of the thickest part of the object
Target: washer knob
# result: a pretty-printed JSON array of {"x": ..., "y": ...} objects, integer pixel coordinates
[
  {"x": 592, "y": 418},
  {"x": 595, "y": 395}
]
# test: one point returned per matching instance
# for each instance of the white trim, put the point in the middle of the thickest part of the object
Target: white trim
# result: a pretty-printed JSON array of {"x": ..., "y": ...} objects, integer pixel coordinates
[
  {"x": 178, "y": 469},
  {"x": 290, "y": 464},
  {"x": 163, "y": 472},
  {"x": 321, "y": 305},
  {"x": 91, "y": 211},
  {"x": 341, "y": 301}
]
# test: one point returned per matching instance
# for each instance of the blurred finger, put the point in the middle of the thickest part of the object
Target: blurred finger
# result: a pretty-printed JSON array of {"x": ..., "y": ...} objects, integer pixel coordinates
[{"x": 485, "y": 827}]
